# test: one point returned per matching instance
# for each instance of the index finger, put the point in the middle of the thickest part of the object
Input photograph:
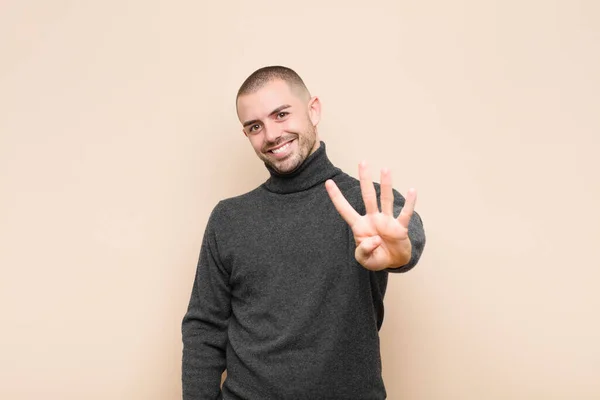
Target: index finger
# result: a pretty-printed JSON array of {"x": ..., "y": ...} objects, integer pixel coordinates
[{"x": 348, "y": 213}]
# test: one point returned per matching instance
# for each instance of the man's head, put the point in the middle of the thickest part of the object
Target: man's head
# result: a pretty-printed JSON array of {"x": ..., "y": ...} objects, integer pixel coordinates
[{"x": 279, "y": 117}]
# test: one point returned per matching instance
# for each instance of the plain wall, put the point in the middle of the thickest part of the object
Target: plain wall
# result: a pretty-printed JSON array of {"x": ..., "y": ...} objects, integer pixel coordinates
[{"x": 118, "y": 135}]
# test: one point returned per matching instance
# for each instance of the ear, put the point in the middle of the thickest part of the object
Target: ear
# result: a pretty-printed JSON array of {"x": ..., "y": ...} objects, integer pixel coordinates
[{"x": 314, "y": 110}]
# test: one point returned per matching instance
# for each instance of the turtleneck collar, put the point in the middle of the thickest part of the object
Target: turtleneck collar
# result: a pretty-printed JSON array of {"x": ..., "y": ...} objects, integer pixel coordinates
[{"x": 314, "y": 170}]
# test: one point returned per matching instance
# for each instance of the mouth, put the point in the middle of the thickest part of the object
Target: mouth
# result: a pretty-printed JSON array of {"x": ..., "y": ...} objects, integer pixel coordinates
[{"x": 282, "y": 150}]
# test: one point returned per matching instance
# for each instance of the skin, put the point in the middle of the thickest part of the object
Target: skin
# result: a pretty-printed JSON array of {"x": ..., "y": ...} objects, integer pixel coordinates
[
  {"x": 381, "y": 240},
  {"x": 278, "y": 114}
]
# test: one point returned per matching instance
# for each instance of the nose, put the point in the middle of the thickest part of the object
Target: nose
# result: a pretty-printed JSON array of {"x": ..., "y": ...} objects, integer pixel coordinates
[{"x": 272, "y": 132}]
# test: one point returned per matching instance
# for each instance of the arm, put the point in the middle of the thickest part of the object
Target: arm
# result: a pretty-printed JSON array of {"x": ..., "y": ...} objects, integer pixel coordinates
[{"x": 204, "y": 326}]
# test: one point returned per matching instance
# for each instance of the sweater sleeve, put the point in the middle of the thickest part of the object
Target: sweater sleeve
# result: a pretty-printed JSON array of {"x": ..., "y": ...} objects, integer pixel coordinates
[
  {"x": 204, "y": 326},
  {"x": 416, "y": 233}
]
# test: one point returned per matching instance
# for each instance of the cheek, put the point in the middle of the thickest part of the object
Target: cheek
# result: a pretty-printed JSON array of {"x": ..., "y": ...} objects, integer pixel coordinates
[
  {"x": 255, "y": 141},
  {"x": 294, "y": 126}
]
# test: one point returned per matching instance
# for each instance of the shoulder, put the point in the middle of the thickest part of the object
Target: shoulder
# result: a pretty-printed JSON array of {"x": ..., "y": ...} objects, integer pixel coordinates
[
  {"x": 230, "y": 208},
  {"x": 240, "y": 200},
  {"x": 348, "y": 185}
]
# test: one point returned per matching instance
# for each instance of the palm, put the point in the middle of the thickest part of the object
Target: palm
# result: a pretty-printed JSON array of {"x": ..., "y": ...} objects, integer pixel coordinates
[{"x": 381, "y": 240}]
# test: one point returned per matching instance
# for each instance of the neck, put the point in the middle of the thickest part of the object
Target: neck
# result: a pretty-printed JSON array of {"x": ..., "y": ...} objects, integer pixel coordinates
[{"x": 314, "y": 170}]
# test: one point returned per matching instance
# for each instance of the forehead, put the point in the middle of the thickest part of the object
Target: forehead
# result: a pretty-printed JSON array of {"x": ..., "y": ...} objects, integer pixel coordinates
[{"x": 261, "y": 103}]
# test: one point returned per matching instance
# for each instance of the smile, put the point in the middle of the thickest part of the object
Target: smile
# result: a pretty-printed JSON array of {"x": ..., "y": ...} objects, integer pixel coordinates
[{"x": 281, "y": 149}]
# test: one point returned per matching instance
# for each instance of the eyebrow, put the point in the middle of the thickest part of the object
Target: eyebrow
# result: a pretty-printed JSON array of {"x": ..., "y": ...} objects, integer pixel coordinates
[{"x": 275, "y": 111}]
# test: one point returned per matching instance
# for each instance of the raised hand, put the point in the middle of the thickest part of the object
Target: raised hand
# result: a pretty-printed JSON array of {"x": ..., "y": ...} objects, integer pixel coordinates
[{"x": 381, "y": 240}]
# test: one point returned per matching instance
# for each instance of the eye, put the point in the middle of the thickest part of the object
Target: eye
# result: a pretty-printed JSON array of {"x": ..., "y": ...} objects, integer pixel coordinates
[
  {"x": 282, "y": 114},
  {"x": 254, "y": 128}
]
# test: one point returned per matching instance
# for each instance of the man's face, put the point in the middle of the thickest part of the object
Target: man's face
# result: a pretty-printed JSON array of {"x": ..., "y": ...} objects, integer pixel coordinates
[{"x": 281, "y": 124}]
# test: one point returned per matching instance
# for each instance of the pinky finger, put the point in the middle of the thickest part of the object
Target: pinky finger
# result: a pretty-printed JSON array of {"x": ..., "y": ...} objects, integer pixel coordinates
[{"x": 409, "y": 208}]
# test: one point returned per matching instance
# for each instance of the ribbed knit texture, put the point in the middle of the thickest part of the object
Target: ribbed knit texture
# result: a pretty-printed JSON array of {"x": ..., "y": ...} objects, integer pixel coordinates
[{"x": 279, "y": 299}]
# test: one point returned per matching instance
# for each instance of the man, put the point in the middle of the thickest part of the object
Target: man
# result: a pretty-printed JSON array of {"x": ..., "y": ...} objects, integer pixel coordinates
[{"x": 288, "y": 295}]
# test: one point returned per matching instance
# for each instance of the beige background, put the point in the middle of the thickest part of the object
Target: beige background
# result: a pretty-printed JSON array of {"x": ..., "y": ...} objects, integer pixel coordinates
[{"x": 119, "y": 135}]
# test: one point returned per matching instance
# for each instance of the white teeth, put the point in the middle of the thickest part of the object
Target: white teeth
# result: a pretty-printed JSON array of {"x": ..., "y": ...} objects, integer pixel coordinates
[{"x": 279, "y": 150}]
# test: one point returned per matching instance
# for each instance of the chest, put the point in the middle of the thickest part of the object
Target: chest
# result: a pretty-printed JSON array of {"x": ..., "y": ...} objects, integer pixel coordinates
[{"x": 288, "y": 246}]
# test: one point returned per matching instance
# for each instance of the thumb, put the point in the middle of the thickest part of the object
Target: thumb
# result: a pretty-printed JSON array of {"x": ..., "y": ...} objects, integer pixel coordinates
[{"x": 366, "y": 247}]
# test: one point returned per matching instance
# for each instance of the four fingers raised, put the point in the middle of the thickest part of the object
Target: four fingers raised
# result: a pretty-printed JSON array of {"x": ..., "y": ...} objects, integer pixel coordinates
[{"x": 369, "y": 195}]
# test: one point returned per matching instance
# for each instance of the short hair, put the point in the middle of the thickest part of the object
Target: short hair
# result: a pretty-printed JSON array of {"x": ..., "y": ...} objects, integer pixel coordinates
[{"x": 264, "y": 75}]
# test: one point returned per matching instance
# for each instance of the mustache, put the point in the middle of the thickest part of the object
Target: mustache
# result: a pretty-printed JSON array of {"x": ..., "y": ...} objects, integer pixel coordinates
[{"x": 281, "y": 139}]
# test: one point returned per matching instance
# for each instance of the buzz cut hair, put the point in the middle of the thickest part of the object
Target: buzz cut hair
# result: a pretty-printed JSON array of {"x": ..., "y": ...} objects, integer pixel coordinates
[{"x": 264, "y": 75}]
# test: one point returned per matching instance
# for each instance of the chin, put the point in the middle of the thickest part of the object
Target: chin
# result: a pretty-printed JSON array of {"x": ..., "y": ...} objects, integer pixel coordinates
[{"x": 289, "y": 165}]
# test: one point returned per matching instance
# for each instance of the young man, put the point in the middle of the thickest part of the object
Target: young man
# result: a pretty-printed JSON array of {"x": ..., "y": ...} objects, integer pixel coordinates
[{"x": 288, "y": 294}]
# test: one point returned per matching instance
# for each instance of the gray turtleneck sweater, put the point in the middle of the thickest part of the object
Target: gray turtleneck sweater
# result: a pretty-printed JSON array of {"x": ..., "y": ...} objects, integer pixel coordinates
[{"x": 279, "y": 299}]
